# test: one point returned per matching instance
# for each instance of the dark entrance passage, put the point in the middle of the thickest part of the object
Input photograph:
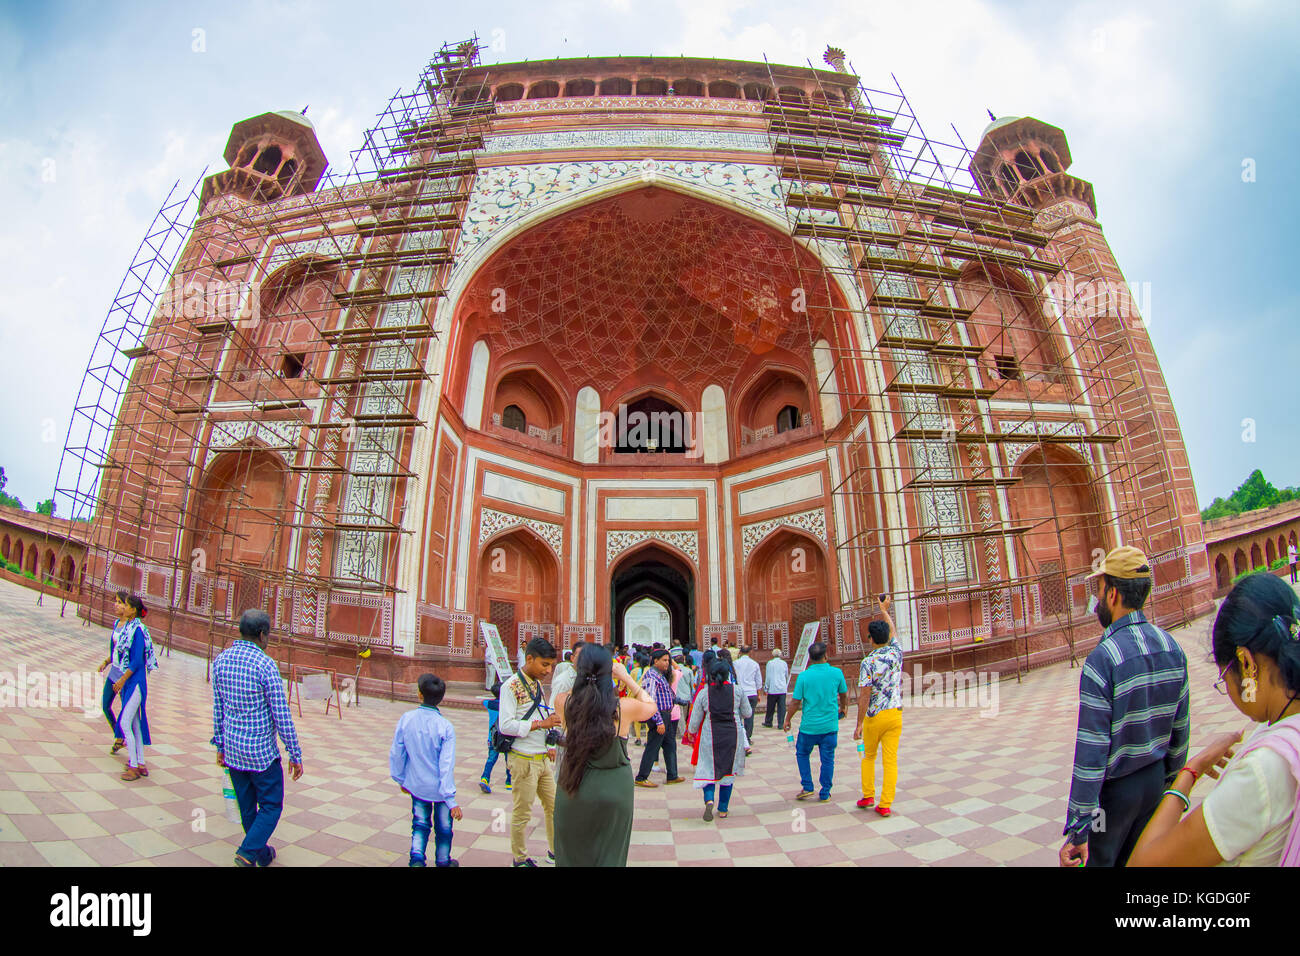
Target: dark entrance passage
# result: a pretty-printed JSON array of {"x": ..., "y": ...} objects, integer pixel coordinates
[{"x": 656, "y": 573}]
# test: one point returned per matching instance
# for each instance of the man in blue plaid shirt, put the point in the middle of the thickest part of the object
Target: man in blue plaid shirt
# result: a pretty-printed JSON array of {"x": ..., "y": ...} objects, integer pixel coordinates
[{"x": 248, "y": 709}]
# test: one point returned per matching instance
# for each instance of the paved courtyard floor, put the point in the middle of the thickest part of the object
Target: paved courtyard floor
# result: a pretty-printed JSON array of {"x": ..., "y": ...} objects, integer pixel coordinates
[{"x": 976, "y": 788}]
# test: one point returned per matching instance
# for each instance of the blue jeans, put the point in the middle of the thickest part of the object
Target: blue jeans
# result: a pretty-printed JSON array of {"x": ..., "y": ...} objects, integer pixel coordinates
[
  {"x": 492, "y": 751},
  {"x": 107, "y": 702},
  {"x": 492, "y": 762},
  {"x": 260, "y": 795},
  {"x": 426, "y": 816},
  {"x": 803, "y": 748},
  {"x": 725, "y": 796}
]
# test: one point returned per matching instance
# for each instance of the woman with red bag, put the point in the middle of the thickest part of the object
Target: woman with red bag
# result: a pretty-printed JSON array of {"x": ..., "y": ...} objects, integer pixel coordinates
[{"x": 716, "y": 720}]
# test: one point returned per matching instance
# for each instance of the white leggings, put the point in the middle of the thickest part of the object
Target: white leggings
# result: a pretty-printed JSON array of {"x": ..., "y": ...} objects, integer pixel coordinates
[{"x": 129, "y": 721}]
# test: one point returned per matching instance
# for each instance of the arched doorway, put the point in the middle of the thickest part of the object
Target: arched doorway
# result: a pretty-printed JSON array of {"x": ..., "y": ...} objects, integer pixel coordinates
[
  {"x": 785, "y": 588},
  {"x": 1054, "y": 498},
  {"x": 1270, "y": 553},
  {"x": 1222, "y": 573},
  {"x": 647, "y": 622},
  {"x": 239, "y": 529},
  {"x": 1256, "y": 556},
  {"x": 67, "y": 571},
  {"x": 1239, "y": 565},
  {"x": 518, "y": 582},
  {"x": 657, "y": 573}
]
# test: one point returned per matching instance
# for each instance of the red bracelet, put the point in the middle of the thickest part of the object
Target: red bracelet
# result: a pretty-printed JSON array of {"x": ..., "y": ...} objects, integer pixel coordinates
[{"x": 1194, "y": 774}]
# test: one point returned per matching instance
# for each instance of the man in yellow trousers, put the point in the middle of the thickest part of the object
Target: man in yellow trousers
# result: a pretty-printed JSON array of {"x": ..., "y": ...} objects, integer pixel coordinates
[{"x": 880, "y": 710}]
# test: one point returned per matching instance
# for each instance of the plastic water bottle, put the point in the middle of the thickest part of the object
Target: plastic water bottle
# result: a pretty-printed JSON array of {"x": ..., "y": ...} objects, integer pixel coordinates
[
  {"x": 861, "y": 748},
  {"x": 789, "y": 738},
  {"x": 232, "y": 805}
]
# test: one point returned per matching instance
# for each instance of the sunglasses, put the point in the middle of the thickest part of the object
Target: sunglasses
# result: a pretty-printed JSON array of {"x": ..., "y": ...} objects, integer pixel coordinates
[{"x": 1221, "y": 685}]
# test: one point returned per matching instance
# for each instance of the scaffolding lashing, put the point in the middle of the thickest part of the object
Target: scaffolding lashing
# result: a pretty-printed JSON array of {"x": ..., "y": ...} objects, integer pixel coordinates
[{"x": 928, "y": 468}]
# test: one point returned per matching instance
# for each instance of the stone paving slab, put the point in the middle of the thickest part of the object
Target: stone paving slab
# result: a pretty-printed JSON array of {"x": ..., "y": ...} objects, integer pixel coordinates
[{"x": 973, "y": 790}]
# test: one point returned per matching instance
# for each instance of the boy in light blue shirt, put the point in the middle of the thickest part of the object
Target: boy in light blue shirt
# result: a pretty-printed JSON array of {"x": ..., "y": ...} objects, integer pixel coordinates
[{"x": 422, "y": 761}]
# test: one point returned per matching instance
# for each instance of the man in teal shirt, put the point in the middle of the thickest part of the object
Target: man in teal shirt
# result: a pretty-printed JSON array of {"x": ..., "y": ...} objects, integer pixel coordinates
[{"x": 824, "y": 697}]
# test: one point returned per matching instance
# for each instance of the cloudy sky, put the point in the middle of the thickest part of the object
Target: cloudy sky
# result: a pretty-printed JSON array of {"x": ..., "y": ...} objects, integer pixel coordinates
[{"x": 1169, "y": 109}]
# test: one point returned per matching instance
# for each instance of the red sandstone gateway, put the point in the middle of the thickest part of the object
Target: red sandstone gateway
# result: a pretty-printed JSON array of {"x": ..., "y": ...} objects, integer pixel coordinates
[{"x": 575, "y": 335}]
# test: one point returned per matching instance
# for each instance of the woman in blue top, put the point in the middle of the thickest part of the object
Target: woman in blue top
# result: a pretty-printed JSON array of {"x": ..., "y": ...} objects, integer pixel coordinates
[
  {"x": 133, "y": 657},
  {"x": 119, "y": 628}
]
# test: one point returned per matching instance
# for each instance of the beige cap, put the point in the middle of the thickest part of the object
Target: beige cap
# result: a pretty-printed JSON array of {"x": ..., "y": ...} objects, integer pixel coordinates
[{"x": 1125, "y": 563}]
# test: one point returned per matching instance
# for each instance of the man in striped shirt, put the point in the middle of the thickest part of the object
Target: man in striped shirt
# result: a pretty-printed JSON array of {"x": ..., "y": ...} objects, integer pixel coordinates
[{"x": 1134, "y": 719}]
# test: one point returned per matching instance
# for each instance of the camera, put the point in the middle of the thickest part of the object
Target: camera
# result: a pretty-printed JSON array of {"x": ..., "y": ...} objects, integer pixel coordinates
[{"x": 552, "y": 737}]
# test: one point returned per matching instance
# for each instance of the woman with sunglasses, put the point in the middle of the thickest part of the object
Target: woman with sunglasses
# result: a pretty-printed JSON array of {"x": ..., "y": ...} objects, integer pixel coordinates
[{"x": 1251, "y": 817}]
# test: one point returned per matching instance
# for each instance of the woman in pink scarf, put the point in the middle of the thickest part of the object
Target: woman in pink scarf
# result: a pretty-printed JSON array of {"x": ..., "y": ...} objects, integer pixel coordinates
[{"x": 1251, "y": 817}]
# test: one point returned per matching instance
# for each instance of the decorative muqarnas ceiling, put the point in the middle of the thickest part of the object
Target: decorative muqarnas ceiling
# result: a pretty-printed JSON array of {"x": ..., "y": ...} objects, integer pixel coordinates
[{"x": 649, "y": 283}]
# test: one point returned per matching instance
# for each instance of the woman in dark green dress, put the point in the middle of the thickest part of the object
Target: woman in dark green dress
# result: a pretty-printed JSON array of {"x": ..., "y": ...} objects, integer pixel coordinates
[{"x": 593, "y": 801}]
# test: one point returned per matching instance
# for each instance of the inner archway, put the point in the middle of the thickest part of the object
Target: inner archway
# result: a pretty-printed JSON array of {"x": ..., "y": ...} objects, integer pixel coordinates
[
  {"x": 1055, "y": 499},
  {"x": 518, "y": 585},
  {"x": 786, "y": 588},
  {"x": 655, "y": 573},
  {"x": 647, "y": 622}
]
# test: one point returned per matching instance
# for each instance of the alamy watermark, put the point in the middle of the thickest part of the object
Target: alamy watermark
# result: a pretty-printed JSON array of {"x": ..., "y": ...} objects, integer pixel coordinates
[
  {"x": 51, "y": 690},
  {"x": 653, "y": 431},
  {"x": 212, "y": 301},
  {"x": 1081, "y": 299},
  {"x": 976, "y": 690}
]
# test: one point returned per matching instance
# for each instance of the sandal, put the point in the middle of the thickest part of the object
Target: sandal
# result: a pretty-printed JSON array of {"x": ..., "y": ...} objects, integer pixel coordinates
[
  {"x": 117, "y": 745},
  {"x": 722, "y": 814},
  {"x": 131, "y": 773},
  {"x": 142, "y": 770},
  {"x": 708, "y": 811}
]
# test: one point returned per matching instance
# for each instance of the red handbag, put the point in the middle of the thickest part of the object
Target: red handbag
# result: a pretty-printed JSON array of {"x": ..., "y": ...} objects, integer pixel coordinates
[{"x": 688, "y": 738}]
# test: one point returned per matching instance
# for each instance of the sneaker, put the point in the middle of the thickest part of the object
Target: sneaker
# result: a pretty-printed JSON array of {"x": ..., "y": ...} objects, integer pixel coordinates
[
  {"x": 270, "y": 850},
  {"x": 676, "y": 780},
  {"x": 509, "y": 786},
  {"x": 825, "y": 799},
  {"x": 646, "y": 783},
  {"x": 866, "y": 803},
  {"x": 449, "y": 863},
  {"x": 484, "y": 785},
  {"x": 638, "y": 742},
  {"x": 417, "y": 863},
  {"x": 527, "y": 862},
  {"x": 883, "y": 811},
  {"x": 243, "y": 861},
  {"x": 768, "y": 726},
  {"x": 708, "y": 811},
  {"x": 803, "y": 794}
]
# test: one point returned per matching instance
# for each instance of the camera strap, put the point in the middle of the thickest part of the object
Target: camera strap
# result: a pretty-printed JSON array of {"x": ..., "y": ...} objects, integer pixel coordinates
[{"x": 535, "y": 698}]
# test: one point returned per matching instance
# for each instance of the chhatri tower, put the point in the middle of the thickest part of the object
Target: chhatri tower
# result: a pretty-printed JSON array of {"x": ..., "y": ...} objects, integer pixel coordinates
[{"x": 602, "y": 348}]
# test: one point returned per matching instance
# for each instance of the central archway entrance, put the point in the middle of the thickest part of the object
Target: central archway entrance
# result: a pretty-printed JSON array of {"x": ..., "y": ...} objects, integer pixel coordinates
[{"x": 657, "y": 574}]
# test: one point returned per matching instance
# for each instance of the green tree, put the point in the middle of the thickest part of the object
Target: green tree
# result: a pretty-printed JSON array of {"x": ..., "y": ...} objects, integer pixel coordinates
[
  {"x": 1255, "y": 492},
  {"x": 8, "y": 501},
  {"x": 45, "y": 507}
]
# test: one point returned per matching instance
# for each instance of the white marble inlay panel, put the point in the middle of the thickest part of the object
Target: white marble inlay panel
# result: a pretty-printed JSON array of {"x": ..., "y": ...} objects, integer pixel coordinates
[
  {"x": 780, "y": 493},
  {"x": 525, "y": 493},
  {"x": 652, "y": 509}
]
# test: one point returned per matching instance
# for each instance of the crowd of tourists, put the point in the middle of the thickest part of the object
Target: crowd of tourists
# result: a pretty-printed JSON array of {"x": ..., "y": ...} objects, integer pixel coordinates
[{"x": 1130, "y": 800}]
